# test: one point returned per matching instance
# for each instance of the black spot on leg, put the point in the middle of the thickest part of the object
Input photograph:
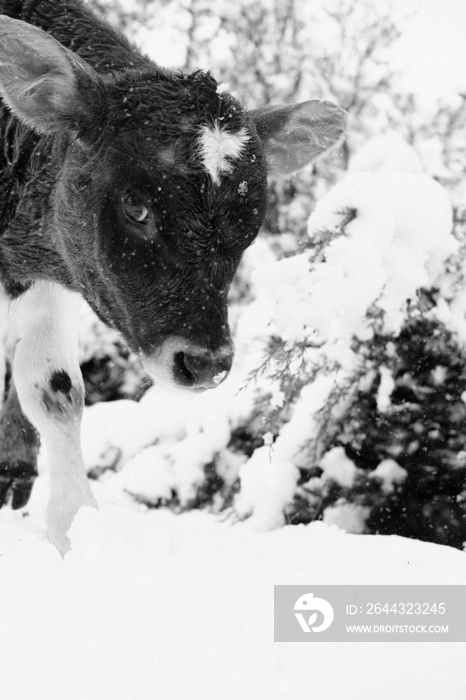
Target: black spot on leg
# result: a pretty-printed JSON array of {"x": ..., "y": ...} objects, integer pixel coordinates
[
  {"x": 60, "y": 381},
  {"x": 60, "y": 398}
]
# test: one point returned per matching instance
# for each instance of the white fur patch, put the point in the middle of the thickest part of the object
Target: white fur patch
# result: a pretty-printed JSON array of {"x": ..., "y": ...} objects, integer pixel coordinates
[
  {"x": 43, "y": 331},
  {"x": 218, "y": 146}
]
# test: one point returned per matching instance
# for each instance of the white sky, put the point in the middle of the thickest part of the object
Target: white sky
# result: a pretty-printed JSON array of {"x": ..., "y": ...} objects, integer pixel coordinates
[{"x": 432, "y": 53}]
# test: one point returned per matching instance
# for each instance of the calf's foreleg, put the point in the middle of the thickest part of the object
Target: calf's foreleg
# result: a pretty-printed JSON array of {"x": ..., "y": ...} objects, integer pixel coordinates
[{"x": 50, "y": 389}]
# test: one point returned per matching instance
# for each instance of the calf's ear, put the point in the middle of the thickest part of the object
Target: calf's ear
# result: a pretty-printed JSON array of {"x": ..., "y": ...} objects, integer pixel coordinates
[
  {"x": 44, "y": 84},
  {"x": 293, "y": 135}
]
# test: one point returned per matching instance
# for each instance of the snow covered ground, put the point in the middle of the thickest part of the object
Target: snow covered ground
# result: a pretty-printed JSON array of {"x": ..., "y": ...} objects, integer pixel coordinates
[{"x": 149, "y": 604}]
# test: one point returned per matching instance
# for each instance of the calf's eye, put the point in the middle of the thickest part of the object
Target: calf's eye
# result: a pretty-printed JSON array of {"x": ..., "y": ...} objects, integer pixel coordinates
[{"x": 136, "y": 210}]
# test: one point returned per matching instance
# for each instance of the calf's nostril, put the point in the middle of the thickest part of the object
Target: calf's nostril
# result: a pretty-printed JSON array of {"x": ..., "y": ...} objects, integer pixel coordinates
[
  {"x": 201, "y": 371},
  {"x": 184, "y": 372},
  {"x": 191, "y": 366}
]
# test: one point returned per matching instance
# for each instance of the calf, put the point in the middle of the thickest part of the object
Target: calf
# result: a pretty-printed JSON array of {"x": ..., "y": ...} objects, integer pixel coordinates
[{"x": 137, "y": 188}]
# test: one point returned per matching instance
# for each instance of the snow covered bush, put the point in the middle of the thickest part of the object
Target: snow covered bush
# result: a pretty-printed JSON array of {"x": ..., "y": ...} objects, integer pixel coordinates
[
  {"x": 366, "y": 366},
  {"x": 406, "y": 433}
]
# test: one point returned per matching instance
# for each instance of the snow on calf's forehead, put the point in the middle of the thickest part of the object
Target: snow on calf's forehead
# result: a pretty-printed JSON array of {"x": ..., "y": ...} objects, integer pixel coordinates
[{"x": 219, "y": 147}]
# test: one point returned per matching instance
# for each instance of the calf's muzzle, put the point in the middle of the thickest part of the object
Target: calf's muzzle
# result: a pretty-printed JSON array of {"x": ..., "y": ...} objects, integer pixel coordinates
[
  {"x": 202, "y": 369},
  {"x": 178, "y": 362}
]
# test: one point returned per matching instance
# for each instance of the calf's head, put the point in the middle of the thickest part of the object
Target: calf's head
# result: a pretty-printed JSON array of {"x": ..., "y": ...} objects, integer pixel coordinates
[{"x": 160, "y": 187}]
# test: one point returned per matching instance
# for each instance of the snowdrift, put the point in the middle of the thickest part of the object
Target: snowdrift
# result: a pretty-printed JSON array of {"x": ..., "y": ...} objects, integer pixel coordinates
[{"x": 155, "y": 605}]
